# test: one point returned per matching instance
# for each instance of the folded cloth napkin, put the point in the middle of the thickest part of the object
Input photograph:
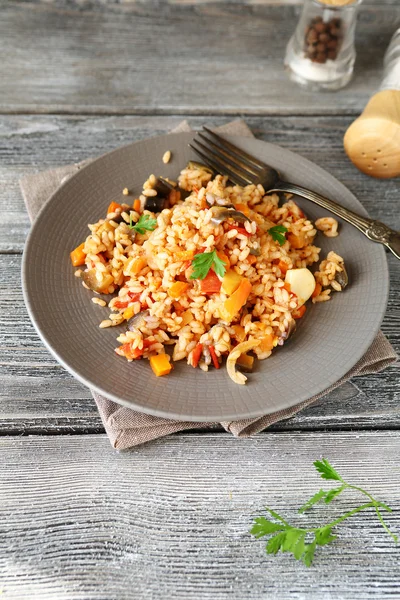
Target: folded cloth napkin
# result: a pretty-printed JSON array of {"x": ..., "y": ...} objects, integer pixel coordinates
[{"x": 125, "y": 427}]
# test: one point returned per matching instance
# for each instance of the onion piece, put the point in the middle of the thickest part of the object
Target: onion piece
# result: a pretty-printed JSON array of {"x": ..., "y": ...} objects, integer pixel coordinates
[{"x": 234, "y": 355}]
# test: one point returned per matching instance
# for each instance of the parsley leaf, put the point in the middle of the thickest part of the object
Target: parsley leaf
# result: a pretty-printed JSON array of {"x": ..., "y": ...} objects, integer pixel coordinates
[
  {"x": 145, "y": 223},
  {"x": 288, "y": 538},
  {"x": 326, "y": 470},
  {"x": 202, "y": 263},
  {"x": 278, "y": 234}
]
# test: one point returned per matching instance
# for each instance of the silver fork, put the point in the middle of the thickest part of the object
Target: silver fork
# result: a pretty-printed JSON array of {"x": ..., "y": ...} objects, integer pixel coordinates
[{"x": 244, "y": 169}]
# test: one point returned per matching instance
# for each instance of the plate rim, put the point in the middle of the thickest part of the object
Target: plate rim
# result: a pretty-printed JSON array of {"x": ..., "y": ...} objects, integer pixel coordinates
[{"x": 153, "y": 411}]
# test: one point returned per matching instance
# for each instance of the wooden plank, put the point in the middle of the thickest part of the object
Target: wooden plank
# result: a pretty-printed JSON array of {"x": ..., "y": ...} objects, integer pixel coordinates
[
  {"x": 171, "y": 518},
  {"x": 37, "y": 395},
  {"x": 33, "y": 143},
  {"x": 129, "y": 58}
]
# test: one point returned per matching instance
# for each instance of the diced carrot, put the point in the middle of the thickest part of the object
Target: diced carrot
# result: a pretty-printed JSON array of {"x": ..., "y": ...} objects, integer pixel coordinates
[
  {"x": 177, "y": 289},
  {"x": 242, "y": 208},
  {"x": 286, "y": 286},
  {"x": 224, "y": 258},
  {"x": 128, "y": 313},
  {"x": 251, "y": 259},
  {"x": 234, "y": 303},
  {"x": 112, "y": 207},
  {"x": 210, "y": 284},
  {"x": 283, "y": 266},
  {"x": 160, "y": 363},
  {"x": 245, "y": 362},
  {"x": 214, "y": 357},
  {"x": 184, "y": 255},
  {"x": 187, "y": 317},
  {"x": 240, "y": 333},
  {"x": 78, "y": 256},
  {"x": 267, "y": 342},
  {"x": 196, "y": 354},
  {"x": 138, "y": 264},
  {"x": 137, "y": 205},
  {"x": 317, "y": 290},
  {"x": 296, "y": 241},
  {"x": 299, "y": 312}
]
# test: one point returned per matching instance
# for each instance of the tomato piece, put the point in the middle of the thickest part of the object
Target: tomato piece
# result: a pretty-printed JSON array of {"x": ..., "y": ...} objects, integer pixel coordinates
[
  {"x": 214, "y": 357},
  {"x": 210, "y": 284}
]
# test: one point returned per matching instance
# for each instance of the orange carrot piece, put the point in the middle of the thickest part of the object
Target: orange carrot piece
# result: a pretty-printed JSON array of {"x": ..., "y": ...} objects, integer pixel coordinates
[
  {"x": 234, "y": 303},
  {"x": 240, "y": 333},
  {"x": 283, "y": 266},
  {"x": 78, "y": 256},
  {"x": 287, "y": 287},
  {"x": 251, "y": 259},
  {"x": 299, "y": 312},
  {"x": 214, "y": 357},
  {"x": 196, "y": 354},
  {"x": 267, "y": 342},
  {"x": 160, "y": 363},
  {"x": 137, "y": 205},
  {"x": 184, "y": 255},
  {"x": 138, "y": 265},
  {"x": 177, "y": 289},
  {"x": 242, "y": 208},
  {"x": 296, "y": 241},
  {"x": 113, "y": 207},
  {"x": 224, "y": 259},
  {"x": 317, "y": 290}
]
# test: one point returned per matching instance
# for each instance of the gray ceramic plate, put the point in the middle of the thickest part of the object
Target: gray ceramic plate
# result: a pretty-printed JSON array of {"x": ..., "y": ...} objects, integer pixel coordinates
[{"x": 331, "y": 338}]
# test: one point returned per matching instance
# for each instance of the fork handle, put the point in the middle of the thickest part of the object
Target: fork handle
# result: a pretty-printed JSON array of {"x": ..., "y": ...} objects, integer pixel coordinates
[{"x": 374, "y": 230}]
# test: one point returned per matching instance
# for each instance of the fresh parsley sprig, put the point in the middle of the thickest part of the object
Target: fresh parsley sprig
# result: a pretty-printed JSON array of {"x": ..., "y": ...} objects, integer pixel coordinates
[
  {"x": 302, "y": 542},
  {"x": 202, "y": 263},
  {"x": 145, "y": 223},
  {"x": 278, "y": 233}
]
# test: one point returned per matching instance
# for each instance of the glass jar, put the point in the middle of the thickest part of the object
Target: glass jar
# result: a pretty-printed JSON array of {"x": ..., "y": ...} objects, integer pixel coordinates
[
  {"x": 321, "y": 54},
  {"x": 391, "y": 64}
]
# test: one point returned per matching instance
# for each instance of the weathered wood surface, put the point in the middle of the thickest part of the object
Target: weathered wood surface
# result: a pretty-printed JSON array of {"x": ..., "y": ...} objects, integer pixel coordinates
[
  {"x": 157, "y": 57},
  {"x": 30, "y": 144},
  {"x": 171, "y": 519},
  {"x": 37, "y": 395}
]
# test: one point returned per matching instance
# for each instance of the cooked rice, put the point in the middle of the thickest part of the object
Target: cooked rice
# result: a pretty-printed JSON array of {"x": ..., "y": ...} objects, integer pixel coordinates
[{"x": 195, "y": 317}]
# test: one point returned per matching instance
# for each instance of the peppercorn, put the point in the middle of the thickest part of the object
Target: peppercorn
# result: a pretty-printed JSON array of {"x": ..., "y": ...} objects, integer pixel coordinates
[{"x": 322, "y": 39}]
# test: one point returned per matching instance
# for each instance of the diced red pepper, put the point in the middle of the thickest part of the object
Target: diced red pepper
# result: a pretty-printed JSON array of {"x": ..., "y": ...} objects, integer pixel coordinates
[
  {"x": 240, "y": 230},
  {"x": 121, "y": 304},
  {"x": 210, "y": 284},
  {"x": 214, "y": 357},
  {"x": 196, "y": 354},
  {"x": 134, "y": 297}
]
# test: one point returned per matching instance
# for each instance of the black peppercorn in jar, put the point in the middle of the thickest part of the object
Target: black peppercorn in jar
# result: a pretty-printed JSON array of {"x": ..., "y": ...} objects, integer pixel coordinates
[{"x": 321, "y": 54}]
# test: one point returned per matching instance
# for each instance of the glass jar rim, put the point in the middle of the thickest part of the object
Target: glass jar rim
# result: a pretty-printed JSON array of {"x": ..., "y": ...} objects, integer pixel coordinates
[{"x": 322, "y": 4}]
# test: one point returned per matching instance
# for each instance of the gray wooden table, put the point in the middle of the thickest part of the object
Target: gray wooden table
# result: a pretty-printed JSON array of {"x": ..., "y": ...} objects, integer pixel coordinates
[{"x": 171, "y": 519}]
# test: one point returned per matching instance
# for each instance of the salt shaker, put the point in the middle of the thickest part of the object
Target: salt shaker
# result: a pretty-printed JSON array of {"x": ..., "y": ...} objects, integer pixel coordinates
[
  {"x": 321, "y": 54},
  {"x": 372, "y": 142}
]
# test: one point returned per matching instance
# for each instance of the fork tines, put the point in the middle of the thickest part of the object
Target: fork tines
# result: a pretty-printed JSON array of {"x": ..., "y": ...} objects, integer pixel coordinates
[{"x": 226, "y": 158}]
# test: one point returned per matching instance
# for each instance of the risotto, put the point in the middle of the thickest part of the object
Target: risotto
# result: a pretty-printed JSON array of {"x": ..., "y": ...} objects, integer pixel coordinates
[{"x": 223, "y": 273}]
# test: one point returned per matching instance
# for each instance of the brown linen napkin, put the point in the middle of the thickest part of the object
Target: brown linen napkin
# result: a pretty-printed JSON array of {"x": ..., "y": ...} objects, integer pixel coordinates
[{"x": 125, "y": 427}]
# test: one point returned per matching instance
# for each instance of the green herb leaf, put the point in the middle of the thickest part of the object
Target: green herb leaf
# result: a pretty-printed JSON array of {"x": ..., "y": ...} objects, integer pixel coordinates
[
  {"x": 331, "y": 495},
  {"x": 316, "y": 498},
  {"x": 202, "y": 263},
  {"x": 324, "y": 536},
  {"x": 308, "y": 556},
  {"x": 145, "y": 223},
  {"x": 293, "y": 539},
  {"x": 277, "y": 233},
  {"x": 263, "y": 527},
  {"x": 326, "y": 470},
  {"x": 275, "y": 543}
]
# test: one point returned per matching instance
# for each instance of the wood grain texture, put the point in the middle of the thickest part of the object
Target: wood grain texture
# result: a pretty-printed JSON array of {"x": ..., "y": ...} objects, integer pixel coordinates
[
  {"x": 29, "y": 144},
  {"x": 148, "y": 58},
  {"x": 171, "y": 519},
  {"x": 37, "y": 395}
]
